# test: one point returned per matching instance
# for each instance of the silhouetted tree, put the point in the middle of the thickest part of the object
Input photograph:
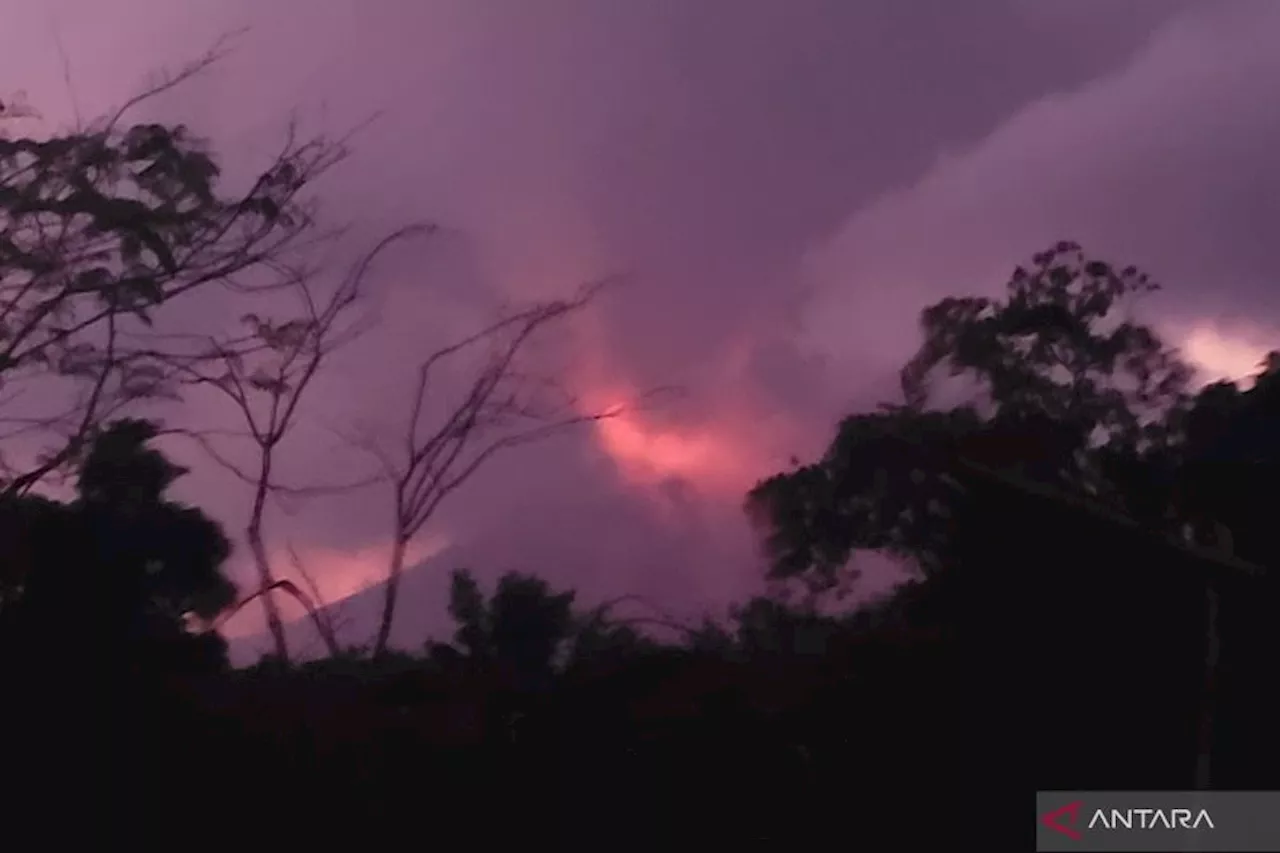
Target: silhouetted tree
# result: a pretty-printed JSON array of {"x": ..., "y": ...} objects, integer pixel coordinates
[
  {"x": 522, "y": 627},
  {"x": 1082, "y": 502},
  {"x": 767, "y": 627},
  {"x": 1061, "y": 389},
  {"x": 100, "y": 229},
  {"x": 503, "y": 407},
  {"x": 1226, "y": 470},
  {"x": 1058, "y": 346},
  {"x": 598, "y": 639},
  {"x": 266, "y": 386},
  {"x": 121, "y": 572}
]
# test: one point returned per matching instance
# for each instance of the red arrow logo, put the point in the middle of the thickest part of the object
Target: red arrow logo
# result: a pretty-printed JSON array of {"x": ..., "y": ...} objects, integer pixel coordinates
[{"x": 1054, "y": 820}]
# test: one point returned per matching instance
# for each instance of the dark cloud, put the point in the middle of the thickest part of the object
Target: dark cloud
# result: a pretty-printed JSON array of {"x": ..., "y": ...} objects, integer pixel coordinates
[{"x": 1163, "y": 162}]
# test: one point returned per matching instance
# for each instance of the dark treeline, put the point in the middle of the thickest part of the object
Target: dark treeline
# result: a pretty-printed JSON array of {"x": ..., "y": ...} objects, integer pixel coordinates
[{"x": 1091, "y": 605}]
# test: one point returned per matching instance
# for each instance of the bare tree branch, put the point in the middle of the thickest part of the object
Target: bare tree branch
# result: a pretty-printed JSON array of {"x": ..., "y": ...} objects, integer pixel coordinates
[
  {"x": 167, "y": 82},
  {"x": 264, "y": 593},
  {"x": 320, "y": 613},
  {"x": 503, "y": 408},
  {"x": 266, "y": 385},
  {"x": 66, "y": 77},
  {"x": 90, "y": 416},
  {"x": 104, "y": 227},
  {"x": 203, "y": 438}
]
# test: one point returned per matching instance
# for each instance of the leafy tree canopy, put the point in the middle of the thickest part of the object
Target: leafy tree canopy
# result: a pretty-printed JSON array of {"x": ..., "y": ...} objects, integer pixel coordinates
[
  {"x": 523, "y": 625},
  {"x": 102, "y": 227},
  {"x": 120, "y": 565},
  {"x": 1065, "y": 386}
]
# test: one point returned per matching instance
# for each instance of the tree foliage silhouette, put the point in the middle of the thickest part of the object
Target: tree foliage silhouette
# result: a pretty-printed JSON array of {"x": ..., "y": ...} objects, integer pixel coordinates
[
  {"x": 1226, "y": 469},
  {"x": 103, "y": 227},
  {"x": 1063, "y": 387},
  {"x": 522, "y": 627},
  {"x": 120, "y": 572}
]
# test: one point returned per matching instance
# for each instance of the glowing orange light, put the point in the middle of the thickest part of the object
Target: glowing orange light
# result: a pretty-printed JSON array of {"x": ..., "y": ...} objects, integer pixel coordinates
[
  {"x": 1219, "y": 354},
  {"x": 337, "y": 573},
  {"x": 647, "y": 453}
]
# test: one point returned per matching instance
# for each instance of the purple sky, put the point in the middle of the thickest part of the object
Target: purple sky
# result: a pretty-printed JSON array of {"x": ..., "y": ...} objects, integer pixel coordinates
[{"x": 786, "y": 182}]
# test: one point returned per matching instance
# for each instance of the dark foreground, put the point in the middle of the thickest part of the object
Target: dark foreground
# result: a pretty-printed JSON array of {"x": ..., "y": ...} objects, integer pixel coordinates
[
  {"x": 675, "y": 748},
  {"x": 1081, "y": 667}
]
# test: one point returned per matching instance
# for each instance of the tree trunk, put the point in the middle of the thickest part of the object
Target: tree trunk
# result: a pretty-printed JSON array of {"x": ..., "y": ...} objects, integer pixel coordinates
[
  {"x": 254, "y": 534},
  {"x": 390, "y": 592},
  {"x": 326, "y": 632}
]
